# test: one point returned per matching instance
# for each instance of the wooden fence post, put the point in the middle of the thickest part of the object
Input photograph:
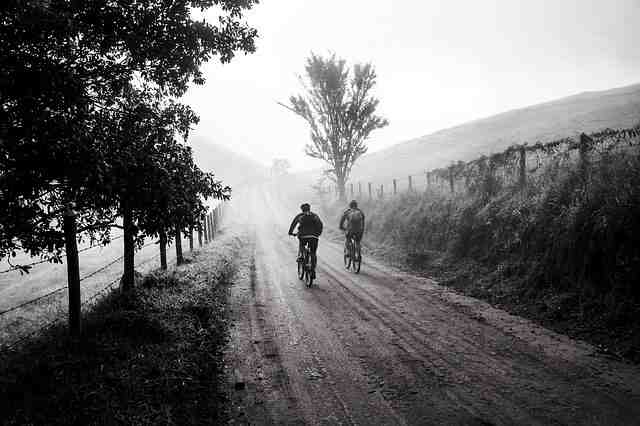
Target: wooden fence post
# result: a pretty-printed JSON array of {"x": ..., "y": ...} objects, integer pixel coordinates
[
  {"x": 352, "y": 193},
  {"x": 212, "y": 232},
  {"x": 584, "y": 152},
  {"x": 205, "y": 229},
  {"x": 360, "y": 189},
  {"x": 428, "y": 176},
  {"x": 523, "y": 167},
  {"x": 410, "y": 184},
  {"x": 451, "y": 181},
  {"x": 395, "y": 187},
  {"x": 73, "y": 270},
  {"x": 381, "y": 190},
  {"x": 370, "y": 197}
]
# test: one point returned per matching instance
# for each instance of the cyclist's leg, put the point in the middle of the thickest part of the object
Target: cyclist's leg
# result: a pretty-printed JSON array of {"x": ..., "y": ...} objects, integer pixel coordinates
[
  {"x": 357, "y": 236},
  {"x": 300, "y": 248}
]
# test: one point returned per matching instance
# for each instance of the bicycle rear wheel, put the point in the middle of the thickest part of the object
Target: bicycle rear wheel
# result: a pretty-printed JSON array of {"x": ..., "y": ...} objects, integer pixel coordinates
[
  {"x": 300, "y": 269},
  {"x": 357, "y": 258},
  {"x": 347, "y": 257},
  {"x": 308, "y": 279}
]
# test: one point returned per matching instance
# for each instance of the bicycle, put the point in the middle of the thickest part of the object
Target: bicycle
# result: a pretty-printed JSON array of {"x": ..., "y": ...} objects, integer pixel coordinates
[
  {"x": 306, "y": 270},
  {"x": 353, "y": 255}
]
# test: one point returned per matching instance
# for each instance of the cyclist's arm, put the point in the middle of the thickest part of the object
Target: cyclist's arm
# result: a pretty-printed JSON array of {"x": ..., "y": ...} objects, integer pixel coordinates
[
  {"x": 294, "y": 223},
  {"x": 342, "y": 219}
]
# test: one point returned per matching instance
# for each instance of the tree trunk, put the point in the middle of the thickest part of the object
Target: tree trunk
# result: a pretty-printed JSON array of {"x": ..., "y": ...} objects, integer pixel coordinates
[
  {"x": 191, "y": 239},
  {"x": 340, "y": 184},
  {"x": 179, "y": 258},
  {"x": 73, "y": 272},
  {"x": 163, "y": 250},
  {"x": 129, "y": 255}
]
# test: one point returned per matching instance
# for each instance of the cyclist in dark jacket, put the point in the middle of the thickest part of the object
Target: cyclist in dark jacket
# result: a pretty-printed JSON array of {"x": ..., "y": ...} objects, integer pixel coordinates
[
  {"x": 352, "y": 222},
  {"x": 309, "y": 229}
]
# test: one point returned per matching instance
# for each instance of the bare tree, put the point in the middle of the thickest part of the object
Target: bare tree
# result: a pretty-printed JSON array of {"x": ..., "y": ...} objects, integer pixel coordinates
[{"x": 340, "y": 110}]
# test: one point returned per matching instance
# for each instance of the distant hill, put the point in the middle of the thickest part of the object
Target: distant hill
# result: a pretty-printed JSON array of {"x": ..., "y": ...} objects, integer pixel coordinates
[
  {"x": 585, "y": 112},
  {"x": 232, "y": 168}
]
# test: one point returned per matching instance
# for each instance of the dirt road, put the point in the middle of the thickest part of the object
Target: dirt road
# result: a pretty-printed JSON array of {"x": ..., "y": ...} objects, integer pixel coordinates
[{"x": 386, "y": 347}]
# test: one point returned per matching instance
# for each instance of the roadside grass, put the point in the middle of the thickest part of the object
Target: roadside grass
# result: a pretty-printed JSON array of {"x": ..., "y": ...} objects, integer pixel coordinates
[
  {"x": 565, "y": 251},
  {"x": 150, "y": 357}
]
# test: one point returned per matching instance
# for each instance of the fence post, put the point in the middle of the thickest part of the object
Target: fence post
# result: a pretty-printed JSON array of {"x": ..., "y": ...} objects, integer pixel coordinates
[
  {"x": 73, "y": 270},
  {"x": 200, "y": 236},
  {"x": 370, "y": 197},
  {"x": 523, "y": 166},
  {"x": 212, "y": 232},
  {"x": 584, "y": 152},
  {"x": 451, "y": 182},
  {"x": 381, "y": 190},
  {"x": 190, "y": 238},
  {"x": 205, "y": 229},
  {"x": 352, "y": 193},
  {"x": 360, "y": 189},
  {"x": 395, "y": 187}
]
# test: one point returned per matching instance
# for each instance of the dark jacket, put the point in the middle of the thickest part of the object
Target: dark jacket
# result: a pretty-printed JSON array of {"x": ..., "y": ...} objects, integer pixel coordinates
[
  {"x": 346, "y": 218},
  {"x": 308, "y": 224}
]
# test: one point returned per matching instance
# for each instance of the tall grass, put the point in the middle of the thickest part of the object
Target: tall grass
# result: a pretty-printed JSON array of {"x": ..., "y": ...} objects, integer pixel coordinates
[{"x": 572, "y": 228}]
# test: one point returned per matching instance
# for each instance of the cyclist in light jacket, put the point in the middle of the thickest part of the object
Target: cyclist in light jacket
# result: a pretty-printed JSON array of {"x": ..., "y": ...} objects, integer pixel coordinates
[{"x": 352, "y": 222}]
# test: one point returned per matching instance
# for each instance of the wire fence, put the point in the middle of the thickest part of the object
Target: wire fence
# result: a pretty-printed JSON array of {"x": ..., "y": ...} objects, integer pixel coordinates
[
  {"x": 51, "y": 260},
  {"x": 514, "y": 166},
  {"x": 52, "y": 310}
]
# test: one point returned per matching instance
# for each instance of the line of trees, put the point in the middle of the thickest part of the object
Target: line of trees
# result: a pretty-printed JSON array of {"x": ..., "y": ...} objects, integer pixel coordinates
[{"x": 92, "y": 135}]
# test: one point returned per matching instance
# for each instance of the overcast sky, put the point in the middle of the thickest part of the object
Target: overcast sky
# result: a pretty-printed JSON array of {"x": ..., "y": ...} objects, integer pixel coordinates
[{"x": 439, "y": 63}]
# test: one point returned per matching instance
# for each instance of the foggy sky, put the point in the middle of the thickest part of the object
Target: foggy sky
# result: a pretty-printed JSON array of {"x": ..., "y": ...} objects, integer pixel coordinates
[{"x": 439, "y": 63}]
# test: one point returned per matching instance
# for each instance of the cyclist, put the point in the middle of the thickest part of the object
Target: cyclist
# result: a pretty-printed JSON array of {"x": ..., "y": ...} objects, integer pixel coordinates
[
  {"x": 309, "y": 229},
  {"x": 352, "y": 222}
]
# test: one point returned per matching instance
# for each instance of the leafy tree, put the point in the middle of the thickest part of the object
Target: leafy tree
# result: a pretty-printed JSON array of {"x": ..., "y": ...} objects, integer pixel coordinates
[
  {"x": 341, "y": 113},
  {"x": 152, "y": 179},
  {"x": 64, "y": 64}
]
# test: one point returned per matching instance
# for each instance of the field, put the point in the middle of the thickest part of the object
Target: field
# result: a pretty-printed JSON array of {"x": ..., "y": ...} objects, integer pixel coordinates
[{"x": 16, "y": 289}]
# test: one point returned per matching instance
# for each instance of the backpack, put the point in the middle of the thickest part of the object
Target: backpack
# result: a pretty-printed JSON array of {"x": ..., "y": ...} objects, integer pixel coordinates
[
  {"x": 356, "y": 221},
  {"x": 310, "y": 224}
]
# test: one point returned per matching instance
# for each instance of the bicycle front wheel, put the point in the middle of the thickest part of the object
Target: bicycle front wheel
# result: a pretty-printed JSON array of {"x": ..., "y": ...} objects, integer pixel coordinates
[{"x": 308, "y": 278}]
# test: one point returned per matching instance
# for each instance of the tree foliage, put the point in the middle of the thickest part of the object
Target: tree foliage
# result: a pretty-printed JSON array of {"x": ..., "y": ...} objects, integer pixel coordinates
[
  {"x": 86, "y": 91},
  {"x": 340, "y": 110}
]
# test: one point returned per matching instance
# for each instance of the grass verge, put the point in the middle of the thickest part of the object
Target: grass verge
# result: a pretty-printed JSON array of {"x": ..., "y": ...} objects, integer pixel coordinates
[{"x": 150, "y": 357}]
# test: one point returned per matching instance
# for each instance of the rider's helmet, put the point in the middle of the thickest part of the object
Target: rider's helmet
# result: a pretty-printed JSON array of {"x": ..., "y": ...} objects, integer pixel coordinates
[
  {"x": 353, "y": 204},
  {"x": 305, "y": 207}
]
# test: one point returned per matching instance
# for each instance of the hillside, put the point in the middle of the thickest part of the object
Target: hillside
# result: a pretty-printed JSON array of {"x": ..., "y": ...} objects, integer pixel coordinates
[
  {"x": 585, "y": 112},
  {"x": 232, "y": 168}
]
